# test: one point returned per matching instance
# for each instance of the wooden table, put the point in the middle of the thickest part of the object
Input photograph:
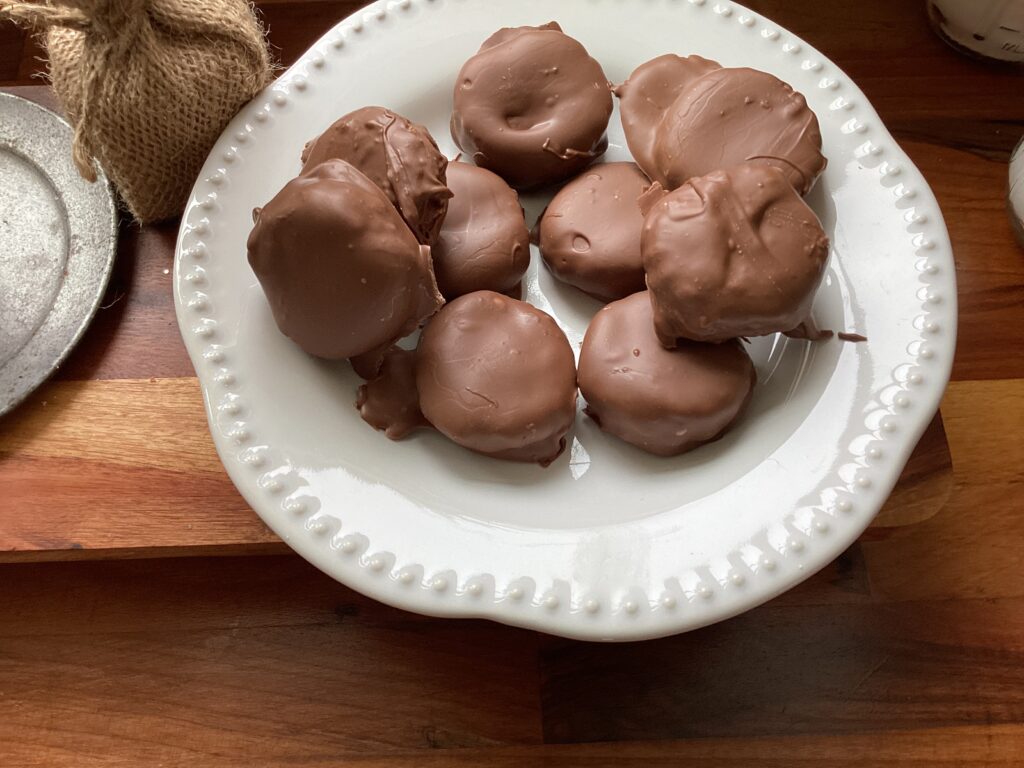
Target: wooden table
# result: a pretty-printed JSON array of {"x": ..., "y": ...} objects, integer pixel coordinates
[{"x": 129, "y": 637}]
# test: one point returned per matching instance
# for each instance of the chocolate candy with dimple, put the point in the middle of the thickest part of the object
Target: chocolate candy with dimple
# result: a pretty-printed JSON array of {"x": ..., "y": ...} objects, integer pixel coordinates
[
  {"x": 589, "y": 235},
  {"x": 532, "y": 106}
]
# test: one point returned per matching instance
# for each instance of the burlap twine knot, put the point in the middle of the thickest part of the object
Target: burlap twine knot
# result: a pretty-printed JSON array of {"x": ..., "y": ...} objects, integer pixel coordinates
[{"x": 149, "y": 86}]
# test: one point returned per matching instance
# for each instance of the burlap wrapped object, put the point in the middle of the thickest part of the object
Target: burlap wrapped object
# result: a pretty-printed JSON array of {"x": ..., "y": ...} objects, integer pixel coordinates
[{"x": 148, "y": 86}]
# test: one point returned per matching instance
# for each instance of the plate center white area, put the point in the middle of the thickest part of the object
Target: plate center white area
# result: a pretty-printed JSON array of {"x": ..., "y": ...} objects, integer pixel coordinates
[{"x": 599, "y": 480}]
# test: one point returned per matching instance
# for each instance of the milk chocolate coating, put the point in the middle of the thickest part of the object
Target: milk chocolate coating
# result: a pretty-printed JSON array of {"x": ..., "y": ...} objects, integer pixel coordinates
[
  {"x": 650, "y": 91},
  {"x": 730, "y": 116},
  {"x": 664, "y": 401},
  {"x": 589, "y": 235},
  {"x": 498, "y": 376},
  {"x": 398, "y": 156},
  {"x": 734, "y": 253},
  {"x": 532, "y": 106},
  {"x": 390, "y": 401},
  {"x": 342, "y": 272},
  {"x": 810, "y": 331},
  {"x": 484, "y": 243}
]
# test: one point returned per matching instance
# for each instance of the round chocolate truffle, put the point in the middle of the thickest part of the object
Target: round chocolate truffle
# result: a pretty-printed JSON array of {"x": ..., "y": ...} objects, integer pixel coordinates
[
  {"x": 730, "y": 116},
  {"x": 734, "y": 253},
  {"x": 664, "y": 401},
  {"x": 484, "y": 243},
  {"x": 398, "y": 156},
  {"x": 497, "y": 376},
  {"x": 342, "y": 272},
  {"x": 650, "y": 91},
  {"x": 532, "y": 106},
  {"x": 590, "y": 233}
]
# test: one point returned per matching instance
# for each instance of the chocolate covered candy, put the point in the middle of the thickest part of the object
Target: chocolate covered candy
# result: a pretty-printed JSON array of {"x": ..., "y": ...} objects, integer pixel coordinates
[
  {"x": 589, "y": 235},
  {"x": 649, "y": 93},
  {"x": 663, "y": 401},
  {"x": 484, "y": 243},
  {"x": 497, "y": 376},
  {"x": 398, "y": 156},
  {"x": 734, "y": 253},
  {"x": 532, "y": 106},
  {"x": 686, "y": 117},
  {"x": 342, "y": 272}
]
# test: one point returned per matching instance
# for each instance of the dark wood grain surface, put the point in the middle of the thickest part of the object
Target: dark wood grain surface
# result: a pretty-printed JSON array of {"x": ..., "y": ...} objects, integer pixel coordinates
[{"x": 907, "y": 650}]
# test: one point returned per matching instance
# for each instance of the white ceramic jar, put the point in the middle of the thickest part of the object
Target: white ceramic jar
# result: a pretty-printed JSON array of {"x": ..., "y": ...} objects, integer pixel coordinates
[{"x": 993, "y": 29}]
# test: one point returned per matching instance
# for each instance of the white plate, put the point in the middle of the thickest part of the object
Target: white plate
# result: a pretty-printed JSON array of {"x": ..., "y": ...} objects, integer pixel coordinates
[{"x": 607, "y": 543}]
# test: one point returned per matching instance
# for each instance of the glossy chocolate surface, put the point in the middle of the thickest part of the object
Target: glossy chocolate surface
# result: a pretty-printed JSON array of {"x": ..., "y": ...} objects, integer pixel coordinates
[
  {"x": 342, "y": 272},
  {"x": 532, "y": 106},
  {"x": 390, "y": 402},
  {"x": 663, "y": 401},
  {"x": 498, "y": 376},
  {"x": 397, "y": 155},
  {"x": 589, "y": 235},
  {"x": 736, "y": 253},
  {"x": 687, "y": 117},
  {"x": 484, "y": 243}
]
